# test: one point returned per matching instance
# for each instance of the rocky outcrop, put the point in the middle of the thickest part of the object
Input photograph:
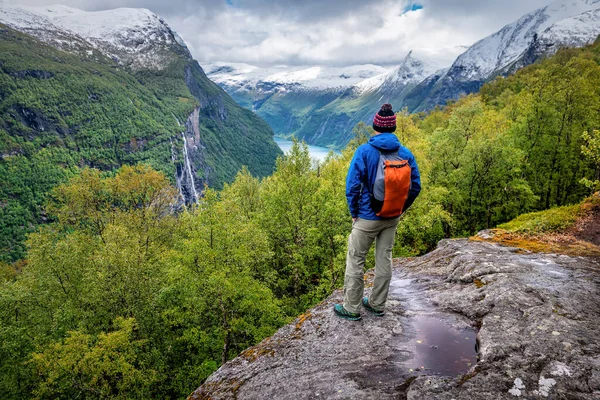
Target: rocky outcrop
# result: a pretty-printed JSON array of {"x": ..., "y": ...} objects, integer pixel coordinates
[
  {"x": 471, "y": 320},
  {"x": 29, "y": 73}
]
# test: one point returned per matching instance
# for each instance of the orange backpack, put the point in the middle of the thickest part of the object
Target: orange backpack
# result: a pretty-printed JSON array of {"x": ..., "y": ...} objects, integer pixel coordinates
[{"x": 392, "y": 185}]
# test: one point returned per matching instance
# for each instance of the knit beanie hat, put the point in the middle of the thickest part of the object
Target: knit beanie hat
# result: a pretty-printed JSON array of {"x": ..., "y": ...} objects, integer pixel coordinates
[{"x": 385, "y": 119}]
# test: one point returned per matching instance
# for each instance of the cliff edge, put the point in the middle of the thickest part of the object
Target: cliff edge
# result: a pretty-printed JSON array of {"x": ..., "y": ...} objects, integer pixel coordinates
[{"x": 470, "y": 320}]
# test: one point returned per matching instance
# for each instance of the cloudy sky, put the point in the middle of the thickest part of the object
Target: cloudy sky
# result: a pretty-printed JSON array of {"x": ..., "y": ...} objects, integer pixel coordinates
[{"x": 324, "y": 32}]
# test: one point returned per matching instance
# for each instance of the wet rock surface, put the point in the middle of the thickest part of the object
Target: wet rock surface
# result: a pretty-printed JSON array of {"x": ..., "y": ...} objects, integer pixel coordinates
[{"x": 536, "y": 318}]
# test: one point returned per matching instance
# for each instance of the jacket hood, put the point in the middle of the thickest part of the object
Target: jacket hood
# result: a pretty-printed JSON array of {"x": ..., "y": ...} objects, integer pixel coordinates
[{"x": 385, "y": 142}]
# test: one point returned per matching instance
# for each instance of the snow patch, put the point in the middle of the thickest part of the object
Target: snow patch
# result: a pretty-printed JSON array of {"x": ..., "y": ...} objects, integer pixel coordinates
[
  {"x": 561, "y": 20},
  {"x": 280, "y": 78},
  {"x": 371, "y": 84},
  {"x": 414, "y": 69}
]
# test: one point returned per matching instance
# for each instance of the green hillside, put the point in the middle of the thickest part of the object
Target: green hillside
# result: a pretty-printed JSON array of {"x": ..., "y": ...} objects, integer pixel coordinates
[
  {"x": 285, "y": 111},
  {"x": 60, "y": 112},
  {"x": 571, "y": 230},
  {"x": 332, "y": 124}
]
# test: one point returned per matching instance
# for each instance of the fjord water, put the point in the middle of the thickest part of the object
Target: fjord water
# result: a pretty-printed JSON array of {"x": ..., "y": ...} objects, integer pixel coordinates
[{"x": 316, "y": 152}]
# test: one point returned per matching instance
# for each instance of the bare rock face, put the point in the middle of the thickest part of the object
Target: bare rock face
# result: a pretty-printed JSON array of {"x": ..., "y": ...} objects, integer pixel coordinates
[{"x": 471, "y": 320}]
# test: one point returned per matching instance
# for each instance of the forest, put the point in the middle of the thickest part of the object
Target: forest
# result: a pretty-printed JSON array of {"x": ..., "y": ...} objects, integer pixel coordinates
[{"x": 119, "y": 296}]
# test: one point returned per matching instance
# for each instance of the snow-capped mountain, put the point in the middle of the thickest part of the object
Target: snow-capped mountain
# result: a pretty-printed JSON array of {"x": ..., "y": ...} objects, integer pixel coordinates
[
  {"x": 294, "y": 99},
  {"x": 333, "y": 123},
  {"x": 136, "y": 37},
  {"x": 285, "y": 96},
  {"x": 333, "y": 101},
  {"x": 564, "y": 23},
  {"x": 330, "y": 106},
  {"x": 411, "y": 71},
  {"x": 238, "y": 76}
]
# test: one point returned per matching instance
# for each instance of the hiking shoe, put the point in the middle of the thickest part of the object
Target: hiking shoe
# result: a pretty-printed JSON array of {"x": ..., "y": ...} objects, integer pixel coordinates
[
  {"x": 378, "y": 313},
  {"x": 341, "y": 312}
]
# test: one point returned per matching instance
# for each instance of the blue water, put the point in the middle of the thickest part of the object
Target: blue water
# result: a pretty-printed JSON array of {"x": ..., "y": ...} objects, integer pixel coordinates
[{"x": 316, "y": 152}]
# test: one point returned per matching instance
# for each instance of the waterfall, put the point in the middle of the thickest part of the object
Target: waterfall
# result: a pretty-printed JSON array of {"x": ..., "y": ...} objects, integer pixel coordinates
[
  {"x": 178, "y": 176},
  {"x": 185, "y": 176},
  {"x": 188, "y": 167}
]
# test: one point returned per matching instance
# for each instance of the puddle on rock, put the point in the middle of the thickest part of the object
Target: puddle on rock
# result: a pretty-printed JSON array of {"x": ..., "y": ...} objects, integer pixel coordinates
[
  {"x": 441, "y": 349},
  {"x": 440, "y": 343}
]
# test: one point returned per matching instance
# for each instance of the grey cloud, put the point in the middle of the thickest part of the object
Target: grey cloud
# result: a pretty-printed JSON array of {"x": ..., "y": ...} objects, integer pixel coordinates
[
  {"x": 332, "y": 32},
  {"x": 311, "y": 10},
  {"x": 493, "y": 9},
  {"x": 305, "y": 10},
  {"x": 160, "y": 7},
  {"x": 487, "y": 16}
]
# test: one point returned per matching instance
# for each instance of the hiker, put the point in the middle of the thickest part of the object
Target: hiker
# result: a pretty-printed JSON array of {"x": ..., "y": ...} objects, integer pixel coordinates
[{"x": 383, "y": 182}]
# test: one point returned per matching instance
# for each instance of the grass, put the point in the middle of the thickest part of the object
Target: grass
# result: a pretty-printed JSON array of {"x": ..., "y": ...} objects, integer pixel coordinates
[
  {"x": 552, "y": 220},
  {"x": 550, "y": 231}
]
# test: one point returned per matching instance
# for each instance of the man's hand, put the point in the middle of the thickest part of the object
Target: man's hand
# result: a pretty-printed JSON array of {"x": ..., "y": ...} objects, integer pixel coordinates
[{"x": 353, "y": 220}]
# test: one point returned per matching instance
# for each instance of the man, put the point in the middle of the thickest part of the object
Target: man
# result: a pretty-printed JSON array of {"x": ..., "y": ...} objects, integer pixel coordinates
[{"x": 367, "y": 225}]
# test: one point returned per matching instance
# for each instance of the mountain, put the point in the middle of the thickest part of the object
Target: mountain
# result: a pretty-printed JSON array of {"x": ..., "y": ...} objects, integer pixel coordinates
[
  {"x": 333, "y": 123},
  {"x": 245, "y": 76},
  {"x": 316, "y": 104},
  {"x": 136, "y": 38},
  {"x": 564, "y": 23},
  {"x": 104, "y": 89},
  {"x": 326, "y": 117},
  {"x": 284, "y": 96}
]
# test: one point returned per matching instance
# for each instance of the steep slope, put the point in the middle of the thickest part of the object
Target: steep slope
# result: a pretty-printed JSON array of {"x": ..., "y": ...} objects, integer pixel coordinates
[
  {"x": 105, "y": 95},
  {"x": 143, "y": 43},
  {"x": 564, "y": 23}
]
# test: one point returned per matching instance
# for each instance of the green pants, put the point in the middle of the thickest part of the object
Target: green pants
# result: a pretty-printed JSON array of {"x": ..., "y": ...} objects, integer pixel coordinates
[{"x": 364, "y": 232}]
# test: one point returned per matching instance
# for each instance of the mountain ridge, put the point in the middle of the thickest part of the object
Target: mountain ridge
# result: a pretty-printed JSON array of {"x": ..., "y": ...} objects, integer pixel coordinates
[
  {"x": 133, "y": 37},
  {"x": 537, "y": 34}
]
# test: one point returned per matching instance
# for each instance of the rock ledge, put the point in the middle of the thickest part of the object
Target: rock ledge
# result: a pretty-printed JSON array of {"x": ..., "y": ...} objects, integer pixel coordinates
[{"x": 536, "y": 316}]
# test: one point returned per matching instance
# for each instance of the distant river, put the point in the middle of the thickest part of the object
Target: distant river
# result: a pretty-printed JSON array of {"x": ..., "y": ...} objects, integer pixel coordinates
[{"x": 316, "y": 152}]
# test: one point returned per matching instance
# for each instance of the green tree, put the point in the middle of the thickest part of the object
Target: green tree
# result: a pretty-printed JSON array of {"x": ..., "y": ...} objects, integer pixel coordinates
[
  {"x": 361, "y": 134},
  {"x": 591, "y": 151},
  {"x": 475, "y": 160},
  {"x": 289, "y": 213},
  {"x": 101, "y": 367}
]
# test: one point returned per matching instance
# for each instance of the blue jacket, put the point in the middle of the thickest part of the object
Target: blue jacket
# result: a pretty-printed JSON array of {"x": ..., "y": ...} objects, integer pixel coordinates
[{"x": 362, "y": 171}]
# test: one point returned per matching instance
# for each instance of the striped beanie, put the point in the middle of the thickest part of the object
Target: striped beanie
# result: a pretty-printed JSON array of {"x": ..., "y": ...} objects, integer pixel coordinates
[{"x": 385, "y": 119}]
